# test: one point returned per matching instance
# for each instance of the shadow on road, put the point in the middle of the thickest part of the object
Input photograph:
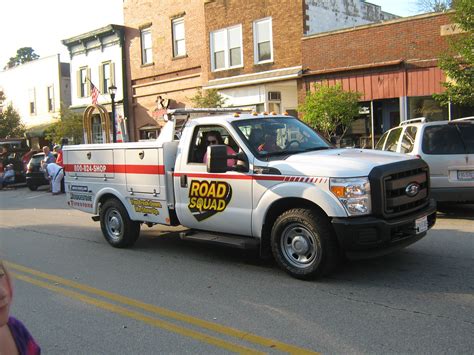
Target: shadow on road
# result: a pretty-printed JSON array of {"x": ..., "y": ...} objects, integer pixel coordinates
[{"x": 456, "y": 211}]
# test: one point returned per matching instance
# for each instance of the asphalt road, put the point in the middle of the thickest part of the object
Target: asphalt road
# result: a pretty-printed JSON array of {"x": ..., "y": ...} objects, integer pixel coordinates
[{"x": 76, "y": 294}]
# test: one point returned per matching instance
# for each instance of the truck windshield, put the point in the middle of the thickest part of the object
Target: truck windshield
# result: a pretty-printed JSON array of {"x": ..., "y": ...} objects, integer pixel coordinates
[{"x": 277, "y": 136}]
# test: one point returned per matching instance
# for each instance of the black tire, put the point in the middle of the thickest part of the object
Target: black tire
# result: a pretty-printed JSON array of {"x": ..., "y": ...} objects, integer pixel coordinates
[
  {"x": 32, "y": 187},
  {"x": 304, "y": 244},
  {"x": 117, "y": 227}
]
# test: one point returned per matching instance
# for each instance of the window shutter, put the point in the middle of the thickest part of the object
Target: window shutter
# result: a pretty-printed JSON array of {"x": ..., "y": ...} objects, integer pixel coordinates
[
  {"x": 78, "y": 83},
  {"x": 112, "y": 73},
  {"x": 89, "y": 82},
  {"x": 101, "y": 79}
]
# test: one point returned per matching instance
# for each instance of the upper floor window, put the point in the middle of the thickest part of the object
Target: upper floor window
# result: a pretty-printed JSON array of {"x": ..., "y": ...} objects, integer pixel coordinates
[
  {"x": 147, "y": 50},
  {"x": 226, "y": 48},
  {"x": 263, "y": 41},
  {"x": 50, "y": 99},
  {"x": 179, "y": 45},
  {"x": 106, "y": 76},
  {"x": 32, "y": 100},
  {"x": 82, "y": 82}
]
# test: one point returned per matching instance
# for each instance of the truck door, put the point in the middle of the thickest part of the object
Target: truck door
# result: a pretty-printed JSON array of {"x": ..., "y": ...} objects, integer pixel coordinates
[{"x": 208, "y": 201}]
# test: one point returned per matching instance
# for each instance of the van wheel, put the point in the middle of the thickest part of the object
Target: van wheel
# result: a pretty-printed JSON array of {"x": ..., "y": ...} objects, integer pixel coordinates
[
  {"x": 117, "y": 227},
  {"x": 304, "y": 244},
  {"x": 33, "y": 187}
]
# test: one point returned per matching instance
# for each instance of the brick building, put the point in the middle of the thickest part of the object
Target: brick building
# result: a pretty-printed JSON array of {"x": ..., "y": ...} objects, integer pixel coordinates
[
  {"x": 255, "y": 57},
  {"x": 394, "y": 65},
  {"x": 249, "y": 50},
  {"x": 166, "y": 56}
]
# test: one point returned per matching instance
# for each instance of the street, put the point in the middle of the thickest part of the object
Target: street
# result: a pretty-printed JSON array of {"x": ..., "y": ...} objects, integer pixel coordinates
[{"x": 77, "y": 294}]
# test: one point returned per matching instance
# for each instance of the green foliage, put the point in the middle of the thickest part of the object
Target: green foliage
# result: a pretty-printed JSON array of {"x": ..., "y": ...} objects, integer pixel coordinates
[
  {"x": 68, "y": 126},
  {"x": 23, "y": 55},
  {"x": 330, "y": 108},
  {"x": 434, "y": 5},
  {"x": 10, "y": 123},
  {"x": 209, "y": 99},
  {"x": 459, "y": 64}
]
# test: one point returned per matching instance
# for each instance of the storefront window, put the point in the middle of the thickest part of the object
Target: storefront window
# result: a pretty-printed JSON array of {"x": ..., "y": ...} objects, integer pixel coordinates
[{"x": 426, "y": 106}]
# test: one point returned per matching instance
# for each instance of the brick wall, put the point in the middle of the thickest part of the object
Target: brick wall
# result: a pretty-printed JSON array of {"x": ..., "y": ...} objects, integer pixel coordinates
[
  {"x": 287, "y": 25},
  {"x": 412, "y": 40},
  {"x": 138, "y": 13},
  {"x": 177, "y": 78}
]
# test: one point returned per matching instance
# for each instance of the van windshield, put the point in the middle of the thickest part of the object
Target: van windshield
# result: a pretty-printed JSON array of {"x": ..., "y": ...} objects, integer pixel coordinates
[{"x": 278, "y": 136}]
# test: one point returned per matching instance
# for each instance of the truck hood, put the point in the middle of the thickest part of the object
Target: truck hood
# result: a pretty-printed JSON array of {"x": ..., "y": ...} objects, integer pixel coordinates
[{"x": 336, "y": 162}]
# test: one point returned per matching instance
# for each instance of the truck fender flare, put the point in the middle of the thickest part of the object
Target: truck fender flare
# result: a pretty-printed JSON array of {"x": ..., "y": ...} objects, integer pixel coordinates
[
  {"x": 108, "y": 191},
  {"x": 322, "y": 198}
]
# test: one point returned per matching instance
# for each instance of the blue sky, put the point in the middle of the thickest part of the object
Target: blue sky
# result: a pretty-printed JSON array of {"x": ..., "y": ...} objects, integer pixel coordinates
[
  {"x": 398, "y": 7},
  {"x": 42, "y": 24}
]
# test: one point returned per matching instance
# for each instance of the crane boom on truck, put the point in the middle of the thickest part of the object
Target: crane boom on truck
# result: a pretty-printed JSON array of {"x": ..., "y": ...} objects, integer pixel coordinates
[{"x": 248, "y": 179}]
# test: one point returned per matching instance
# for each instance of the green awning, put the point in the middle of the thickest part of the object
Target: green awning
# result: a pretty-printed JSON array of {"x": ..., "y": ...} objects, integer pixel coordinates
[{"x": 38, "y": 131}]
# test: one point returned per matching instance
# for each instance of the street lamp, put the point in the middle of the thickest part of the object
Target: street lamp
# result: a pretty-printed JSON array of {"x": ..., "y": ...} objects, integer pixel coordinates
[{"x": 112, "y": 91}]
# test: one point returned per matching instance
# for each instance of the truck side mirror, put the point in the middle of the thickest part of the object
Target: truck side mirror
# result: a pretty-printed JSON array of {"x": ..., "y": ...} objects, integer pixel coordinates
[{"x": 217, "y": 159}]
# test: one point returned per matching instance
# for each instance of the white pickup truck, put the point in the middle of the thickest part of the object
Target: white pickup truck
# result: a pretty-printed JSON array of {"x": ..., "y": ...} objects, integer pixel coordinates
[{"x": 299, "y": 199}]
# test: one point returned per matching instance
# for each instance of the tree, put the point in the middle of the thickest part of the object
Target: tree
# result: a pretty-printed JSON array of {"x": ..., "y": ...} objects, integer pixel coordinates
[
  {"x": 210, "y": 98},
  {"x": 23, "y": 55},
  {"x": 69, "y": 125},
  {"x": 459, "y": 64},
  {"x": 330, "y": 108},
  {"x": 10, "y": 123},
  {"x": 434, "y": 5}
]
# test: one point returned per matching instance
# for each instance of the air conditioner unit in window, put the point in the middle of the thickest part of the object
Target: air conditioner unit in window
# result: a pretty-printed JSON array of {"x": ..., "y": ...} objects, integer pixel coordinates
[{"x": 274, "y": 96}]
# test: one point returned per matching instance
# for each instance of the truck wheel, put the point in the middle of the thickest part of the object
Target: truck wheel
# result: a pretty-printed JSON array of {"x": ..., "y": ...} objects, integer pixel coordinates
[
  {"x": 117, "y": 227},
  {"x": 303, "y": 243}
]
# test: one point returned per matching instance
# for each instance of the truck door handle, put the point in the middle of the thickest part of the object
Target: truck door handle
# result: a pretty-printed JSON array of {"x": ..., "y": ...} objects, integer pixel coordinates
[{"x": 184, "y": 180}]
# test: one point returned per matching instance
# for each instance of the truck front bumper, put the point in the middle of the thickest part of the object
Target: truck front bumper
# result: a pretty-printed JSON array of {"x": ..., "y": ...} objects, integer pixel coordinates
[{"x": 365, "y": 237}]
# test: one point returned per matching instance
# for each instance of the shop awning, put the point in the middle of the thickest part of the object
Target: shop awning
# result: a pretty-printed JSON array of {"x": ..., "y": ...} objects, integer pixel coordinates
[
  {"x": 257, "y": 78},
  {"x": 39, "y": 130}
]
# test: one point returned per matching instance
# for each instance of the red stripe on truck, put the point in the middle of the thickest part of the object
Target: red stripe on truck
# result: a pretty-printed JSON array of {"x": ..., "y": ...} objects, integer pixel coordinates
[{"x": 115, "y": 168}]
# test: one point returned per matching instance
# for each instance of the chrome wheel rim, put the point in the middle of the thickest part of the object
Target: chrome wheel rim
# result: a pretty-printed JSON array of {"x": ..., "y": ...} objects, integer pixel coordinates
[
  {"x": 298, "y": 245},
  {"x": 114, "y": 224}
]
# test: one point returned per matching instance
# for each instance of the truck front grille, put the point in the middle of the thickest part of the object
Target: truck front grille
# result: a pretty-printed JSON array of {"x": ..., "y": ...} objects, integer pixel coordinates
[
  {"x": 389, "y": 188},
  {"x": 396, "y": 199}
]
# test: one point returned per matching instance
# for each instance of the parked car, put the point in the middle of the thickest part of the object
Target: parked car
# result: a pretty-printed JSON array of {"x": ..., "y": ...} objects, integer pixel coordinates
[
  {"x": 35, "y": 175},
  {"x": 13, "y": 150},
  {"x": 447, "y": 147}
]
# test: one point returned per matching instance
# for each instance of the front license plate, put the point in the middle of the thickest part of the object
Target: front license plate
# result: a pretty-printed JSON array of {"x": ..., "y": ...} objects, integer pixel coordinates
[
  {"x": 421, "y": 225},
  {"x": 466, "y": 175}
]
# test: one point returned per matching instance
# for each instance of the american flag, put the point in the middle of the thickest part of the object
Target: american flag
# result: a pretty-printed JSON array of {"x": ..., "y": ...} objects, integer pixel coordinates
[{"x": 94, "y": 94}]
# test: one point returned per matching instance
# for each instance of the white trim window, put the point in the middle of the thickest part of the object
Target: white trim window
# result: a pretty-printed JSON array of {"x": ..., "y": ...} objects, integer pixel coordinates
[
  {"x": 50, "y": 102},
  {"x": 32, "y": 101},
  {"x": 263, "y": 40},
  {"x": 226, "y": 48},
  {"x": 83, "y": 87},
  {"x": 179, "y": 44},
  {"x": 147, "y": 48}
]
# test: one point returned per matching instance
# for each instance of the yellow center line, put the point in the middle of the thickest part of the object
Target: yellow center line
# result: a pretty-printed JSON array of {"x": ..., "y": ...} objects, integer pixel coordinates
[
  {"x": 218, "y": 328},
  {"x": 140, "y": 317}
]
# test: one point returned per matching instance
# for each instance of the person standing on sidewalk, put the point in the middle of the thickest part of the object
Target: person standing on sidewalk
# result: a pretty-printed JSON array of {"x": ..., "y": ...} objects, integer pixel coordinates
[
  {"x": 59, "y": 160},
  {"x": 56, "y": 175}
]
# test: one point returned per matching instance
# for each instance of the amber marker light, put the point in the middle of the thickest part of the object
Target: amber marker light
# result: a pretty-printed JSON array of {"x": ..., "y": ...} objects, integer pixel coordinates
[
  {"x": 338, "y": 190},
  {"x": 255, "y": 113},
  {"x": 236, "y": 114}
]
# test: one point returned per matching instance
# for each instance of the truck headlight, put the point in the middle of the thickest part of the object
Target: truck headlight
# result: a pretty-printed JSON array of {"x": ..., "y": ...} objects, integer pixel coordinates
[{"x": 354, "y": 194}]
